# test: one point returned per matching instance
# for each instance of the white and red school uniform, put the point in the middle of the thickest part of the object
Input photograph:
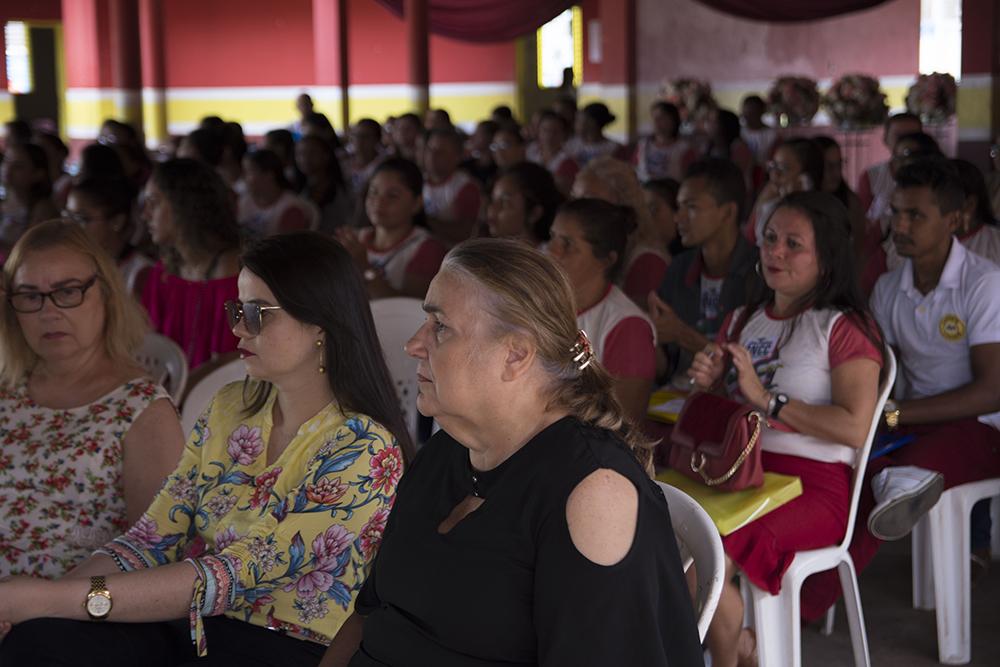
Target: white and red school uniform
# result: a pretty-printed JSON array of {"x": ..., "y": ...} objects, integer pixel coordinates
[
  {"x": 359, "y": 176},
  {"x": 289, "y": 213},
  {"x": 562, "y": 166},
  {"x": 583, "y": 152},
  {"x": 653, "y": 161},
  {"x": 797, "y": 356},
  {"x": 934, "y": 334},
  {"x": 645, "y": 268},
  {"x": 622, "y": 335},
  {"x": 760, "y": 142},
  {"x": 875, "y": 188},
  {"x": 457, "y": 198},
  {"x": 418, "y": 254}
]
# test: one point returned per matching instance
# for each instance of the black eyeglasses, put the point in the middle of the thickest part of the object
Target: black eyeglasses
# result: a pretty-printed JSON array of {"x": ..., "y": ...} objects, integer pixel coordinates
[
  {"x": 249, "y": 313},
  {"x": 70, "y": 296}
]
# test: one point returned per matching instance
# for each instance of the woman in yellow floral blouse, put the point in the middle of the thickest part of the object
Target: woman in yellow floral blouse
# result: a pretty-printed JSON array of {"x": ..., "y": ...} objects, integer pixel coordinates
[{"x": 276, "y": 509}]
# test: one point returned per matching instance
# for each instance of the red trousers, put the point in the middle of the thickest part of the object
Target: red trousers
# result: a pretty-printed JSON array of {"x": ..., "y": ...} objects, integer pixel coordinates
[{"x": 963, "y": 451}]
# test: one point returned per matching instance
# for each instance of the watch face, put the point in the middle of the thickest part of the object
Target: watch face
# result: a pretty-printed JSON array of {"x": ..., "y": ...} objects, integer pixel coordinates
[{"x": 99, "y": 605}]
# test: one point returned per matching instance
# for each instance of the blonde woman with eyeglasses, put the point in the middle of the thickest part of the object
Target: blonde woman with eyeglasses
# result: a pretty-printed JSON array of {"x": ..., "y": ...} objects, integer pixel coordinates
[{"x": 85, "y": 439}]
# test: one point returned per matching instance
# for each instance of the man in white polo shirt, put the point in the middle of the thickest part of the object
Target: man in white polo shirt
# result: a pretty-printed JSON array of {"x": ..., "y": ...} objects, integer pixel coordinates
[{"x": 940, "y": 311}]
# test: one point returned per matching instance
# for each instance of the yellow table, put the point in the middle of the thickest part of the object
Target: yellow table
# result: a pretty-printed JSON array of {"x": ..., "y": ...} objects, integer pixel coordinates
[
  {"x": 731, "y": 510},
  {"x": 665, "y": 405}
]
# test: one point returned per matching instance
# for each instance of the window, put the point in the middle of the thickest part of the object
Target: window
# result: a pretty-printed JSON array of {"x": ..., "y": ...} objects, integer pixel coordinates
[
  {"x": 560, "y": 47},
  {"x": 18, "y": 58},
  {"x": 941, "y": 37}
]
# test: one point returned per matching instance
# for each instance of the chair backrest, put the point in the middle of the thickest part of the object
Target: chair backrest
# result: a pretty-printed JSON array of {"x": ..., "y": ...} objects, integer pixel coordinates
[
  {"x": 202, "y": 392},
  {"x": 396, "y": 320},
  {"x": 699, "y": 542},
  {"x": 861, "y": 462},
  {"x": 165, "y": 362}
]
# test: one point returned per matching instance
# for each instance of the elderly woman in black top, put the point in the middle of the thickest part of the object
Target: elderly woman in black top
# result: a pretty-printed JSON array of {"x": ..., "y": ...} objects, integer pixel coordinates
[{"x": 527, "y": 532}]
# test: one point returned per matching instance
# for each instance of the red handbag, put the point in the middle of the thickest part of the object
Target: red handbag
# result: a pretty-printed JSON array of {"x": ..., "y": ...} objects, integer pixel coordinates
[{"x": 716, "y": 442}]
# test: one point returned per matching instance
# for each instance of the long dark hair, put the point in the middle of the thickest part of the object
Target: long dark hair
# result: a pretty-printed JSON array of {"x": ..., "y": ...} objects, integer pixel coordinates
[
  {"x": 974, "y": 185},
  {"x": 39, "y": 162},
  {"x": 810, "y": 156},
  {"x": 315, "y": 281},
  {"x": 538, "y": 189},
  {"x": 409, "y": 173},
  {"x": 268, "y": 162},
  {"x": 843, "y": 191},
  {"x": 605, "y": 227},
  {"x": 837, "y": 286},
  {"x": 201, "y": 205}
]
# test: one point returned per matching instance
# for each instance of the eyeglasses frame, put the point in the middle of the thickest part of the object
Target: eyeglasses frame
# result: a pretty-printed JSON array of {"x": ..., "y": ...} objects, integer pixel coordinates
[
  {"x": 242, "y": 316},
  {"x": 83, "y": 295}
]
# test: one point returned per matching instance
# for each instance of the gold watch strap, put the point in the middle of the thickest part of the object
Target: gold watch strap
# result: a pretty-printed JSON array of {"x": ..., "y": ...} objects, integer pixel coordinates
[{"x": 97, "y": 584}]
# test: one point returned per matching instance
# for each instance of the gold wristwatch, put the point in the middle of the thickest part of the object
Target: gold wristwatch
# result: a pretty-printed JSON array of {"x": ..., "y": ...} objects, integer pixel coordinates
[
  {"x": 98, "y": 602},
  {"x": 891, "y": 413}
]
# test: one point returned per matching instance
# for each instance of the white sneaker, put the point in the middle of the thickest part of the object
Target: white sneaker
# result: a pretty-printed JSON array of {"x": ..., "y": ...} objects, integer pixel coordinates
[{"x": 903, "y": 494}]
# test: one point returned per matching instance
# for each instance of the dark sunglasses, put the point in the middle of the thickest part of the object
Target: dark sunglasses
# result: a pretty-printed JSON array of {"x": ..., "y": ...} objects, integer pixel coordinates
[{"x": 249, "y": 313}]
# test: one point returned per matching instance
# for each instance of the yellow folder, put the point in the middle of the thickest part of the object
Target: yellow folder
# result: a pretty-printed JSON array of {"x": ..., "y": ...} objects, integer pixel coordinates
[{"x": 731, "y": 510}]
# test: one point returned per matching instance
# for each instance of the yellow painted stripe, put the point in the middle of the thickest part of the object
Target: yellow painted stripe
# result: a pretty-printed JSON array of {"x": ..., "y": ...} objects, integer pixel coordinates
[
  {"x": 85, "y": 113},
  {"x": 154, "y": 122},
  {"x": 470, "y": 108},
  {"x": 974, "y": 107},
  {"x": 277, "y": 113},
  {"x": 6, "y": 107}
]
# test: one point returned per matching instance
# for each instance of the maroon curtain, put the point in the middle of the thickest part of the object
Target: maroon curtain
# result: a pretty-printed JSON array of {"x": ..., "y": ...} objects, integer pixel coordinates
[
  {"x": 486, "y": 20},
  {"x": 779, "y": 11}
]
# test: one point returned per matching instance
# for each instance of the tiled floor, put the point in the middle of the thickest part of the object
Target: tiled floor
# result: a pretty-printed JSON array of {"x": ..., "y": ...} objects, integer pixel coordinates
[{"x": 898, "y": 635}]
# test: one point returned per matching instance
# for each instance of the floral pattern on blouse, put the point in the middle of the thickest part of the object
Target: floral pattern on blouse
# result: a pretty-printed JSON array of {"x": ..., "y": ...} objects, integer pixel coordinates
[
  {"x": 284, "y": 546},
  {"x": 61, "y": 492}
]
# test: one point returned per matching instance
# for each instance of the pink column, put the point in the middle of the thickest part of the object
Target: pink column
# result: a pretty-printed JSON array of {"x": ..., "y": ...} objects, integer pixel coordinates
[
  {"x": 417, "y": 42},
  {"x": 330, "y": 49},
  {"x": 153, "y": 70}
]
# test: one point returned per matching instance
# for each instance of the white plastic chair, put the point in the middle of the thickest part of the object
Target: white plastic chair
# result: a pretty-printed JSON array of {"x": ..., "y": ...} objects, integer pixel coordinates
[
  {"x": 699, "y": 543},
  {"x": 165, "y": 362},
  {"x": 202, "y": 392},
  {"x": 941, "y": 545},
  {"x": 396, "y": 320},
  {"x": 776, "y": 617}
]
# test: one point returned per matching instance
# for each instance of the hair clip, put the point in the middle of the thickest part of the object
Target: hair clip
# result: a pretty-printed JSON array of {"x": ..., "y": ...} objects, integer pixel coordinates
[{"x": 582, "y": 351}]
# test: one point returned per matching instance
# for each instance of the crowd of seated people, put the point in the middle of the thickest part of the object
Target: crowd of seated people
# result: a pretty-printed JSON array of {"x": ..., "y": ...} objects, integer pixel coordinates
[{"x": 683, "y": 253}]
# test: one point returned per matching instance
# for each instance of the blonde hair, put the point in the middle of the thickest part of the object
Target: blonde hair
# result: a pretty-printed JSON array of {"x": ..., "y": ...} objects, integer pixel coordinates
[
  {"x": 526, "y": 292},
  {"x": 626, "y": 190},
  {"x": 125, "y": 323}
]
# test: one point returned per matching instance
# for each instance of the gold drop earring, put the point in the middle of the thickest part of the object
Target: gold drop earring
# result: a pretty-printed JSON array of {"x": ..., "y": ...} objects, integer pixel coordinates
[{"x": 319, "y": 345}]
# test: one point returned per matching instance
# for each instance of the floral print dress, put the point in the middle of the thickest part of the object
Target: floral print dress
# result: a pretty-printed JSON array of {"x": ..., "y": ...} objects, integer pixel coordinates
[
  {"x": 284, "y": 546},
  {"x": 61, "y": 493}
]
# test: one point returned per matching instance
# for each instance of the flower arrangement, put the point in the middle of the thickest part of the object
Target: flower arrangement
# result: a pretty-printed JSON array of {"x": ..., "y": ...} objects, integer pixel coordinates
[
  {"x": 932, "y": 97},
  {"x": 691, "y": 97},
  {"x": 855, "y": 100},
  {"x": 794, "y": 99}
]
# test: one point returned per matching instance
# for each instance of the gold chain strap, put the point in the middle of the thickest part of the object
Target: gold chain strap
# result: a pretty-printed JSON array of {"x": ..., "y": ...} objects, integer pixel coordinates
[{"x": 698, "y": 466}]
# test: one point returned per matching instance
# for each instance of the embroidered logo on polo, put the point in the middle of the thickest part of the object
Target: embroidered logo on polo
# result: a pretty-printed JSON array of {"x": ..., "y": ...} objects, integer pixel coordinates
[{"x": 951, "y": 327}]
